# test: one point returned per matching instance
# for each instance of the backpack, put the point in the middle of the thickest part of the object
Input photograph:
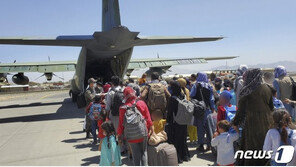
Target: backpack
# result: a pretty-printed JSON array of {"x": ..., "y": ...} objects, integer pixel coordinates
[
  {"x": 116, "y": 102},
  {"x": 156, "y": 97},
  {"x": 94, "y": 111},
  {"x": 230, "y": 114},
  {"x": 134, "y": 123},
  {"x": 293, "y": 97},
  {"x": 200, "y": 107},
  {"x": 185, "y": 112}
]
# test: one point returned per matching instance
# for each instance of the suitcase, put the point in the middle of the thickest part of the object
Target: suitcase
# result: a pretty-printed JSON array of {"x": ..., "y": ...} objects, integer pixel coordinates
[
  {"x": 168, "y": 156},
  {"x": 163, "y": 154},
  {"x": 212, "y": 124}
]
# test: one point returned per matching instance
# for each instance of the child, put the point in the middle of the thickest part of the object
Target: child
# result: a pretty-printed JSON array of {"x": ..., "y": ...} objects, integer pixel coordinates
[
  {"x": 224, "y": 142},
  {"x": 102, "y": 118},
  {"x": 110, "y": 153},
  {"x": 279, "y": 134},
  {"x": 226, "y": 111},
  {"x": 278, "y": 104},
  {"x": 158, "y": 121},
  {"x": 93, "y": 111}
]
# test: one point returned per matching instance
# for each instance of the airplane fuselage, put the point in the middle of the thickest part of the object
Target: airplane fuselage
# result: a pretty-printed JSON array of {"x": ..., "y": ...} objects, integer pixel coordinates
[{"x": 108, "y": 54}]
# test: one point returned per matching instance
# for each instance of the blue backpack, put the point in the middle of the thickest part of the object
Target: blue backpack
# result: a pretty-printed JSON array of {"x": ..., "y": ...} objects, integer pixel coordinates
[
  {"x": 94, "y": 111},
  {"x": 230, "y": 114}
]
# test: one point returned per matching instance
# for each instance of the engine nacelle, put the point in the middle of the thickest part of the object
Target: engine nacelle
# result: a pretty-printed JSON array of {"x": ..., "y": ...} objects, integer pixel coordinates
[
  {"x": 159, "y": 70},
  {"x": 48, "y": 76},
  {"x": 20, "y": 79}
]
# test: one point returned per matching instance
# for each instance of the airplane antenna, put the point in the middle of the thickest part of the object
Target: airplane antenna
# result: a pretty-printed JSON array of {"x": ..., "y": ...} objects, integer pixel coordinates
[
  {"x": 14, "y": 61},
  {"x": 48, "y": 58},
  {"x": 157, "y": 55}
]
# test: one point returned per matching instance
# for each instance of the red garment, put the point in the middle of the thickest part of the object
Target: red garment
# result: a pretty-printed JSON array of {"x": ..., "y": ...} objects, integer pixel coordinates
[
  {"x": 106, "y": 88},
  {"x": 100, "y": 122},
  {"x": 221, "y": 113},
  {"x": 88, "y": 107},
  {"x": 142, "y": 107}
]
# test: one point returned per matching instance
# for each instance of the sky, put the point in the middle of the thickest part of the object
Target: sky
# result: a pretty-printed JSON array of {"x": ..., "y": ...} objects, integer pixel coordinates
[{"x": 257, "y": 31}]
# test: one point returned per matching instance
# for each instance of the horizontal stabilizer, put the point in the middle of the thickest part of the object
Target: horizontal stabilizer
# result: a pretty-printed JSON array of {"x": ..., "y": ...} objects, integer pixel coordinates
[
  {"x": 172, "y": 40},
  {"x": 78, "y": 40}
]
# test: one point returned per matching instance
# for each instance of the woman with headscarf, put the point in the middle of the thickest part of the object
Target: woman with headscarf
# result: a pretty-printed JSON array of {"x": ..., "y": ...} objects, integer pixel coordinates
[
  {"x": 253, "y": 115},
  {"x": 203, "y": 91},
  {"x": 177, "y": 134},
  {"x": 138, "y": 146},
  {"x": 239, "y": 81},
  {"x": 192, "y": 130},
  {"x": 283, "y": 85}
]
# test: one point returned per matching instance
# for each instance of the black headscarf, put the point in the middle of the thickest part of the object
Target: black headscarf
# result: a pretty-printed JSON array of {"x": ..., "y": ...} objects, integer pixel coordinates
[{"x": 176, "y": 89}]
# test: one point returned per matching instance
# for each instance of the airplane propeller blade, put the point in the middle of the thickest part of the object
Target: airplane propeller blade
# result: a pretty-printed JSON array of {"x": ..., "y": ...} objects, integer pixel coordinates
[
  {"x": 58, "y": 76},
  {"x": 39, "y": 77}
]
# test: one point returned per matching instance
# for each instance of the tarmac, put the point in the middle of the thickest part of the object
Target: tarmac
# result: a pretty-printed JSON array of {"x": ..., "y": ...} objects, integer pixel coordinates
[{"x": 45, "y": 128}]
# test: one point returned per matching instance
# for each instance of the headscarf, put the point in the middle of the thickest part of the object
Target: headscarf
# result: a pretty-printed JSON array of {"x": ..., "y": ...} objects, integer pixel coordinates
[
  {"x": 226, "y": 94},
  {"x": 176, "y": 89},
  {"x": 202, "y": 77},
  {"x": 182, "y": 82},
  {"x": 129, "y": 94},
  {"x": 106, "y": 88},
  {"x": 280, "y": 71},
  {"x": 241, "y": 70},
  {"x": 252, "y": 80}
]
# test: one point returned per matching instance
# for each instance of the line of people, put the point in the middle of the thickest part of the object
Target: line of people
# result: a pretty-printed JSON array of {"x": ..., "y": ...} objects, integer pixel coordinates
[{"x": 229, "y": 114}]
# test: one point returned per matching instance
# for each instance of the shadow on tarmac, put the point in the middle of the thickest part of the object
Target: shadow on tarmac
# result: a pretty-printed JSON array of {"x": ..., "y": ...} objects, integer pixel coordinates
[
  {"x": 30, "y": 105},
  {"x": 206, "y": 156},
  {"x": 68, "y": 110},
  {"x": 91, "y": 160}
]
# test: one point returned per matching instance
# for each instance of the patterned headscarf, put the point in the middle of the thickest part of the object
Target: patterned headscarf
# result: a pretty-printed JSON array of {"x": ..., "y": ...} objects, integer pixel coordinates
[
  {"x": 241, "y": 70},
  {"x": 252, "y": 79},
  {"x": 202, "y": 79},
  {"x": 280, "y": 71}
]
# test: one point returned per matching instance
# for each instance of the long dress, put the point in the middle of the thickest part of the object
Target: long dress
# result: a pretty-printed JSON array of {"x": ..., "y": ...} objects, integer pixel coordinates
[
  {"x": 112, "y": 154},
  {"x": 178, "y": 133},
  {"x": 254, "y": 114}
]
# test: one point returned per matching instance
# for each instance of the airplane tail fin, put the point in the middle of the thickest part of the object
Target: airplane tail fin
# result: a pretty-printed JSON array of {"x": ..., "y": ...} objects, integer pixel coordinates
[{"x": 110, "y": 15}]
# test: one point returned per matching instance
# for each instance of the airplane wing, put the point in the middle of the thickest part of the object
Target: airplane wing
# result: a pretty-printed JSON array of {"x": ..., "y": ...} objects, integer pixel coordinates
[
  {"x": 172, "y": 40},
  {"x": 60, "y": 66},
  {"x": 160, "y": 62},
  {"x": 78, "y": 40},
  {"x": 41, "y": 67}
]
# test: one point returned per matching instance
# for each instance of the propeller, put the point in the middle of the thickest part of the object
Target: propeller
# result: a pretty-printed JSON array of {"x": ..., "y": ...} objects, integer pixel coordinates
[
  {"x": 39, "y": 77},
  {"x": 58, "y": 76}
]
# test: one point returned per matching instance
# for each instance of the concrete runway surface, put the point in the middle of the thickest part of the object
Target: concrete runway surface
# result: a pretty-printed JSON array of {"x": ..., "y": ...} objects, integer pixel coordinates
[{"x": 45, "y": 128}]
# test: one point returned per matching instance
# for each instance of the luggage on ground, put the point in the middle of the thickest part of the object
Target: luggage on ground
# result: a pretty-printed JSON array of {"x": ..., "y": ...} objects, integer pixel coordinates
[
  {"x": 212, "y": 124},
  {"x": 163, "y": 154}
]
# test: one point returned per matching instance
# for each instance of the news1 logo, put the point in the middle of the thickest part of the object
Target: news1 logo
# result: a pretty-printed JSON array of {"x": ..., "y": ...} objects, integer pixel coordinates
[{"x": 284, "y": 154}]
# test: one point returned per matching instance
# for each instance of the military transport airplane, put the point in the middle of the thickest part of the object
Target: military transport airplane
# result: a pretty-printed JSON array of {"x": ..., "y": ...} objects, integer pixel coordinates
[{"x": 103, "y": 54}]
